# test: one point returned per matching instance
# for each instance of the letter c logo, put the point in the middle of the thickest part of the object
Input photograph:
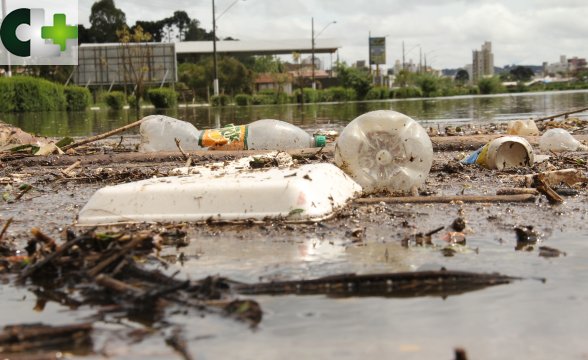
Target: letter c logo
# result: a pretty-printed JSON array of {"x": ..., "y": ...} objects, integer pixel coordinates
[{"x": 8, "y": 32}]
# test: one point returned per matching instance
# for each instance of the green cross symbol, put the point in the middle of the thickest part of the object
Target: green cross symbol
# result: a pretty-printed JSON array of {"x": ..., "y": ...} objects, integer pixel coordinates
[{"x": 59, "y": 32}]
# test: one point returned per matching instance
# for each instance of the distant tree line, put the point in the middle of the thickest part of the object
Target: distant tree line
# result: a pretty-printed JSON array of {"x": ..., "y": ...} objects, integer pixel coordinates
[{"x": 106, "y": 19}]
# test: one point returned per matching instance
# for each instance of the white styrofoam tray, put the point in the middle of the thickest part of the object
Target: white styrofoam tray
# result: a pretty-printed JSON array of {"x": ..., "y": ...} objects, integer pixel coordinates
[{"x": 309, "y": 192}]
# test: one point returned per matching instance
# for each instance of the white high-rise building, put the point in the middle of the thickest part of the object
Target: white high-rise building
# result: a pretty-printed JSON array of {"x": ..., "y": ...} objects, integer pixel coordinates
[{"x": 483, "y": 62}]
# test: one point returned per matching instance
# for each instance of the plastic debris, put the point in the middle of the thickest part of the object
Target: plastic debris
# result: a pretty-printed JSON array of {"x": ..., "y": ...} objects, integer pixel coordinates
[
  {"x": 158, "y": 133},
  {"x": 308, "y": 193},
  {"x": 522, "y": 128},
  {"x": 503, "y": 152},
  {"x": 385, "y": 150},
  {"x": 558, "y": 140}
]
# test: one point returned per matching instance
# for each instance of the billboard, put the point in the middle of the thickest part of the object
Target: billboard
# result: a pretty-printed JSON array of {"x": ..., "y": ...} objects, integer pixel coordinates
[
  {"x": 377, "y": 50},
  {"x": 120, "y": 64}
]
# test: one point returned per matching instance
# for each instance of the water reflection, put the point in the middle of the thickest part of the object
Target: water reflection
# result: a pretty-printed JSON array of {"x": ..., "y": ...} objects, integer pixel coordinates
[{"x": 457, "y": 109}]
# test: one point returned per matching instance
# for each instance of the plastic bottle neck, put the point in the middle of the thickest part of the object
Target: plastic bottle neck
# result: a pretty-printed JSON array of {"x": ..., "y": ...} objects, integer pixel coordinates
[{"x": 320, "y": 141}]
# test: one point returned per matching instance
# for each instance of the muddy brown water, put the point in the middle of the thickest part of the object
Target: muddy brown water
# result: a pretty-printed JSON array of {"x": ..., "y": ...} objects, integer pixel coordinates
[
  {"x": 431, "y": 112},
  {"x": 542, "y": 316}
]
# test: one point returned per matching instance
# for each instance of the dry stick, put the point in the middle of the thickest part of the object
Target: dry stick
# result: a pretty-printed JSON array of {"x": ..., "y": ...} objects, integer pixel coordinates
[
  {"x": 562, "y": 114},
  {"x": 5, "y": 227},
  {"x": 517, "y": 191},
  {"x": 186, "y": 156},
  {"x": 102, "y": 136},
  {"x": 448, "y": 199},
  {"x": 546, "y": 190},
  {"x": 66, "y": 172},
  {"x": 24, "y": 333}
]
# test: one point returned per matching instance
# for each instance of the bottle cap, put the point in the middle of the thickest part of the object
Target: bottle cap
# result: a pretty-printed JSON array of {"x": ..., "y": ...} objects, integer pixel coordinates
[{"x": 320, "y": 141}]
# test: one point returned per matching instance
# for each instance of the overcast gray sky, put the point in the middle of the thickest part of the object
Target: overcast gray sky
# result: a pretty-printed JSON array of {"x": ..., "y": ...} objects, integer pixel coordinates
[{"x": 521, "y": 31}]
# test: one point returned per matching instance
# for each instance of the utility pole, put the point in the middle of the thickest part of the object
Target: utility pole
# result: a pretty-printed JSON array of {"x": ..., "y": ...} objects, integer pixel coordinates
[
  {"x": 420, "y": 59},
  {"x": 403, "y": 61},
  {"x": 312, "y": 45},
  {"x": 215, "y": 81}
]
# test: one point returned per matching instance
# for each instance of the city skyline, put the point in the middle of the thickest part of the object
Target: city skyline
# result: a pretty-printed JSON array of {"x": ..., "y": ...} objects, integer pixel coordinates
[{"x": 522, "y": 32}]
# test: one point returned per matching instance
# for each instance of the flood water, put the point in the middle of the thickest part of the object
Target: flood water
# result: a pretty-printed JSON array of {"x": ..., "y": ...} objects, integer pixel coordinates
[
  {"x": 461, "y": 109},
  {"x": 541, "y": 316}
]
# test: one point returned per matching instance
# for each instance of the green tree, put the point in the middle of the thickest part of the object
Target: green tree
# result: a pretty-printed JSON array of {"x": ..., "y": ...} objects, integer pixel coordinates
[
  {"x": 357, "y": 79},
  {"x": 106, "y": 19},
  {"x": 581, "y": 75},
  {"x": 491, "y": 85},
  {"x": 181, "y": 21},
  {"x": 155, "y": 28},
  {"x": 195, "y": 33},
  {"x": 429, "y": 84},
  {"x": 522, "y": 73},
  {"x": 404, "y": 78},
  {"x": 195, "y": 77},
  {"x": 234, "y": 77},
  {"x": 267, "y": 64},
  {"x": 462, "y": 77}
]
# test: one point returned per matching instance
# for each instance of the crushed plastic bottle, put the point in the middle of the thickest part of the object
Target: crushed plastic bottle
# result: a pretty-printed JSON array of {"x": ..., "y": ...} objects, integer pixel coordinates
[
  {"x": 385, "y": 150},
  {"x": 558, "y": 140},
  {"x": 158, "y": 133},
  {"x": 522, "y": 128}
]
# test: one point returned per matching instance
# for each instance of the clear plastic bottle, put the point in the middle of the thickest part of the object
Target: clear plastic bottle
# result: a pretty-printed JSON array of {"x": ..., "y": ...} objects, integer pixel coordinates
[
  {"x": 158, "y": 133},
  {"x": 385, "y": 150},
  {"x": 522, "y": 128},
  {"x": 558, "y": 140}
]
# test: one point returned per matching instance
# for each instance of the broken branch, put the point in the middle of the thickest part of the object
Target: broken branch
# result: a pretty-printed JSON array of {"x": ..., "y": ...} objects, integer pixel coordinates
[
  {"x": 448, "y": 199},
  {"x": 102, "y": 136}
]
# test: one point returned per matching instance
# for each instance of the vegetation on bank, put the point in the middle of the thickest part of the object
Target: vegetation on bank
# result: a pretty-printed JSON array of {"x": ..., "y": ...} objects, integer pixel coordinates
[{"x": 30, "y": 94}]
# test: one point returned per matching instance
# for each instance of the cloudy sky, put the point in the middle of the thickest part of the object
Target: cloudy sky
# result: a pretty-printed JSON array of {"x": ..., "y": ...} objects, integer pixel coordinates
[{"x": 521, "y": 31}]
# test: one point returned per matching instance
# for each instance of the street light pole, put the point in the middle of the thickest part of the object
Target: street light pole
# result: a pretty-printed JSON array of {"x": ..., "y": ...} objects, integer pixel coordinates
[
  {"x": 215, "y": 80},
  {"x": 312, "y": 43}
]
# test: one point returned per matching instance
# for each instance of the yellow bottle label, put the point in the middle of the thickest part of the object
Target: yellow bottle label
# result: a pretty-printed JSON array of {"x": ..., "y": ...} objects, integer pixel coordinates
[
  {"x": 230, "y": 137},
  {"x": 482, "y": 158}
]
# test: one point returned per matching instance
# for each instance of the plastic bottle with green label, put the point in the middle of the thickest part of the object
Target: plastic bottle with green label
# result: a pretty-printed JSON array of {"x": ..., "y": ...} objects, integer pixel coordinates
[{"x": 159, "y": 133}]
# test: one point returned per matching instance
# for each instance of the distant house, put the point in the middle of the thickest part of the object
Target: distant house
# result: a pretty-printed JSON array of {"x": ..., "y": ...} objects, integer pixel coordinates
[
  {"x": 273, "y": 81},
  {"x": 286, "y": 81}
]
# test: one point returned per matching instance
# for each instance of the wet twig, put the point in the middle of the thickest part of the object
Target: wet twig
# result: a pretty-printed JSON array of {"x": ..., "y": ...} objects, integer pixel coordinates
[
  {"x": 26, "y": 189},
  {"x": 114, "y": 257},
  {"x": 5, "y": 227}
]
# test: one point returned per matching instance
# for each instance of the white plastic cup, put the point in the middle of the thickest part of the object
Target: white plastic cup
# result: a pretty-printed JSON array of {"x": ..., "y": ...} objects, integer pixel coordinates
[{"x": 385, "y": 150}]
